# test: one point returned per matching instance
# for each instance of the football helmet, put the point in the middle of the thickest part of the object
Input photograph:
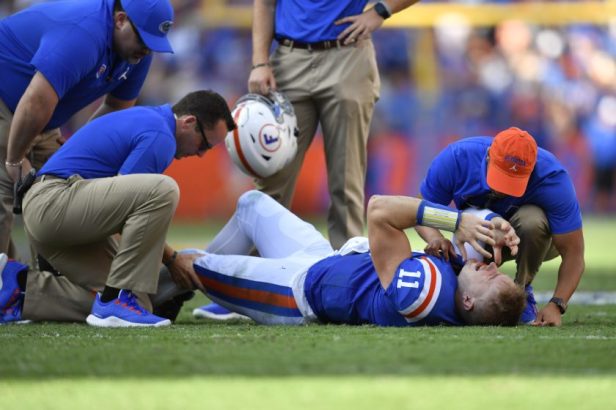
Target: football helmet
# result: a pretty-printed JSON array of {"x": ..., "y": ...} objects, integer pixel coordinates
[{"x": 265, "y": 139}]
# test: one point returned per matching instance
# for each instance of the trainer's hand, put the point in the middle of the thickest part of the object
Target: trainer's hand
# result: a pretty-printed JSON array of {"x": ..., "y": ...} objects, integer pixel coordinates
[
  {"x": 440, "y": 247},
  {"x": 504, "y": 235},
  {"x": 548, "y": 316},
  {"x": 18, "y": 171},
  {"x": 261, "y": 80},
  {"x": 183, "y": 273},
  {"x": 362, "y": 25},
  {"x": 472, "y": 229}
]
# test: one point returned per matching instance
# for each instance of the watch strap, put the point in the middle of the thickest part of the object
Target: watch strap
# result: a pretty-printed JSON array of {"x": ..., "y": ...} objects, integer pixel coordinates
[
  {"x": 562, "y": 306},
  {"x": 382, "y": 10}
]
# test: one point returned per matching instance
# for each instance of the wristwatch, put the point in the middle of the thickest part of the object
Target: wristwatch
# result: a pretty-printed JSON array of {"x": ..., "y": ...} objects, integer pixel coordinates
[
  {"x": 382, "y": 10},
  {"x": 562, "y": 306}
]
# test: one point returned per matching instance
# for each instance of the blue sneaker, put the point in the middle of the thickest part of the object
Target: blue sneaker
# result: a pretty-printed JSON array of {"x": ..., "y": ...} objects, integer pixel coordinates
[
  {"x": 124, "y": 311},
  {"x": 529, "y": 314},
  {"x": 216, "y": 312},
  {"x": 12, "y": 314},
  {"x": 9, "y": 290}
]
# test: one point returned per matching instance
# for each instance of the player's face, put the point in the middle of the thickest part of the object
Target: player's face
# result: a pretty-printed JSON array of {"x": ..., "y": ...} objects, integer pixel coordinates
[
  {"x": 126, "y": 40},
  {"x": 477, "y": 278},
  {"x": 197, "y": 139}
]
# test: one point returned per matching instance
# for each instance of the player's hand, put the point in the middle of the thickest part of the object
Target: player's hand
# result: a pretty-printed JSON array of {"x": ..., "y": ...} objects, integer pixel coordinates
[
  {"x": 441, "y": 247},
  {"x": 183, "y": 273},
  {"x": 362, "y": 25},
  {"x": 261, "y": 80},
  {"x": 504, "y": 235},
  {"x": 472, "y": 229},
  {"x": 18, "y": 171},
  {"x": 548, "y": 316}
]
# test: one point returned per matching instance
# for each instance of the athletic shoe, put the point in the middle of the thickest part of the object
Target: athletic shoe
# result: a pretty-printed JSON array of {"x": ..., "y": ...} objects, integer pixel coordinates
[
  {"x": 12, "y": 314},
  {"x": 9, "y": 285},
  {"x": 529, "y": 314},
  {"x": 124, "y": 311},
  {"x": 216, "y": 312}
]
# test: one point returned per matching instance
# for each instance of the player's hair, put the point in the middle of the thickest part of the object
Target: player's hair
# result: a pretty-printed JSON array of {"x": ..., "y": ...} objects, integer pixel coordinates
[
  {"x": 117, "y": 6},
  {"x": 500, "y": 307},
  {"x": 209, "y": 108}
]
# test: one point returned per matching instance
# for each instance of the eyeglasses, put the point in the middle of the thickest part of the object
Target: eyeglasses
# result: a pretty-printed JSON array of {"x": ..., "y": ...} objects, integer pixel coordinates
[{"x": 205, "y": 145}]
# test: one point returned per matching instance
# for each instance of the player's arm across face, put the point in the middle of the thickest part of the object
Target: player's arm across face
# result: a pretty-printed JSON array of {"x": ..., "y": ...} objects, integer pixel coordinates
[
  {"x": 436, "y": 243},
  {"x": 389, "y": 216}
]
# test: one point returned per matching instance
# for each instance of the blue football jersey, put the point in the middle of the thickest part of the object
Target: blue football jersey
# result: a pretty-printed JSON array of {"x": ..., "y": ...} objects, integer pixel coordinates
[{"x": 346, "y": 289}]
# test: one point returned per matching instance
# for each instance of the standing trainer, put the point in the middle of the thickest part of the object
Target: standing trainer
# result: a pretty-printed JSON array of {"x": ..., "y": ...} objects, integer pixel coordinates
[
  {"x": 57, "y": 58},
  {"x": 105, "y": 181},
  {"x": 325, "y": 64},
  {"x": 527, "y": 186}
]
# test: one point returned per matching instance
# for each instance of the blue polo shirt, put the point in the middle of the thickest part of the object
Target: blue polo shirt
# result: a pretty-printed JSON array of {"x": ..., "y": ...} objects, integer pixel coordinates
[
  {"x": 138, "y": 140},
  {"x": 313, "y": 21},
  {"x": 459, "y": 172},
  {"x": 70, "y": 43}
]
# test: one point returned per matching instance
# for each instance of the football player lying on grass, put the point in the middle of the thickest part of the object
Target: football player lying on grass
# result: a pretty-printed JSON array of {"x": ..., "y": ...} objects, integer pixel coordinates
[{"x": 377, "y": 280}]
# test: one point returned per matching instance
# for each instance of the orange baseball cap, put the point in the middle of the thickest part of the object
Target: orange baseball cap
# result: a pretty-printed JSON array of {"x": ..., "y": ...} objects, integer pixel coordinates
[{"x": 513, "y": 155}]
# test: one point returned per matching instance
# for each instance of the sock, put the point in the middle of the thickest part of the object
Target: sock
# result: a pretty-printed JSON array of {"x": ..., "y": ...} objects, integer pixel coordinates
[
  {"x": 22, "y": 280},
  {"x": 109, "y": 294}
]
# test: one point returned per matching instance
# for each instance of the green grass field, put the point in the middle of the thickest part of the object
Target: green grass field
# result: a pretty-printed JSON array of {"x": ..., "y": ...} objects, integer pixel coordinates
[{"x": 240, "y": 365}]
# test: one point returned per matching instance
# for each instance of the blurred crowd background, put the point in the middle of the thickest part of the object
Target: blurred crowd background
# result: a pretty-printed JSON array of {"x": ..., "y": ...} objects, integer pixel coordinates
[{"x": 438, "y": 84}]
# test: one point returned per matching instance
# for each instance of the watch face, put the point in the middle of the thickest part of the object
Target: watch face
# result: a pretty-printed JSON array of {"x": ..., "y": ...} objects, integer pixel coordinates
[{"x": 381, "y": 10}]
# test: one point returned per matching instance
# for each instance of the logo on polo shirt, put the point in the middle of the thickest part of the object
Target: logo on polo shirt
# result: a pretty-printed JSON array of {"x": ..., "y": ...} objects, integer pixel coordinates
[
  {"x": 101, "y": 70},
  {"x": 165, "y": 26}
]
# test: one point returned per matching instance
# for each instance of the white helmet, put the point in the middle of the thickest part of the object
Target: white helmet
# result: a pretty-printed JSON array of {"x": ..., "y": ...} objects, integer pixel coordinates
[
  {"x": 265, "y": 139},
  {"x": 471, "y": 253}
]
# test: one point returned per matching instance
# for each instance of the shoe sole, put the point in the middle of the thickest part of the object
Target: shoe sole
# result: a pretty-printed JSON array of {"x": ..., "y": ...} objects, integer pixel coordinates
[
  {"x": 113, "y": 321},
  {"x": 202, "y": 314},
  {"x": 16, "y": 322}
]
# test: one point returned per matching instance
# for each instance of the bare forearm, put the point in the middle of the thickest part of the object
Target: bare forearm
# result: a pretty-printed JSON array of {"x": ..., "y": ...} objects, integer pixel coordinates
[
  {"x": 31, "y": 116},
  {"x": 262, "y": 30},
  {"x": 428, "y": 234},
  {"x": 388, "y": 216},
  {"x": 399, "y": 212},
  {"x": 570, "y": 246},
  {"x": 569, "y": 275}
]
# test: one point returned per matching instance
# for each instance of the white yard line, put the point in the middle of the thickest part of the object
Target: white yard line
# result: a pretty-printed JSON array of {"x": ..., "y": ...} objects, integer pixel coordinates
[{"x": 582, "y": 298}]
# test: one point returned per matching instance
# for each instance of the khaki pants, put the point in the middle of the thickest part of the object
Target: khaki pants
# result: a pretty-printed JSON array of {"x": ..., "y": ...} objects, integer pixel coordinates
[
  {"x": 72, "y": 222},
  {"x": 531, "y": 225},
  {"x": 43, "y": 147},
  {"x": 336, "y": 88}
]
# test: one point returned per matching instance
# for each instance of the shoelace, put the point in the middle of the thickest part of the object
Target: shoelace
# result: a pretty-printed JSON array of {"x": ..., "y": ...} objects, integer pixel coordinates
[{"x": 130, "y": 302}]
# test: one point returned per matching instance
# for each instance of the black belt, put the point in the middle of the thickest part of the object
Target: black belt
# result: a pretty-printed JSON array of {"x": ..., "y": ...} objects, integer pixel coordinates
[
  {"x": 46, "y": 177},
  {"x": 319, "y": 45}
]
